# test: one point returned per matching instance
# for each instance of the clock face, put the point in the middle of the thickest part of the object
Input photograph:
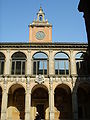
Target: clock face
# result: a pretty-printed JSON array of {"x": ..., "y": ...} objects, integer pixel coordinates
[{"x": 40, "y": 35}]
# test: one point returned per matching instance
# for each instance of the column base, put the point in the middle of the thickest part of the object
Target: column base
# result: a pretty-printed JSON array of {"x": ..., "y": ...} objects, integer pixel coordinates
[
  {"x": 75, "y": 116},
  {"x": 51, "y": 115},
  {"x": 27, "y": 115},
  {"x": 3, "y": 115}
]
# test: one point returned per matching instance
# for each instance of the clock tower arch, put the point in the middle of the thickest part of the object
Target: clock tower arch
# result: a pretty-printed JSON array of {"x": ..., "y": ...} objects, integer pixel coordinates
[{"x": 40, "y": 31}]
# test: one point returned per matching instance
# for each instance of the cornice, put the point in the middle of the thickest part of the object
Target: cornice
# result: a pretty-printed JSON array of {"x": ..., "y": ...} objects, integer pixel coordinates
[{"x": 44, "y": 45}]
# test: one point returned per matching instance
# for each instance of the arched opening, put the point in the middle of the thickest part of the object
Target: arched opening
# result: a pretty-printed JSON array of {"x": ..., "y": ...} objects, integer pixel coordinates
[
  {"x": 18, "y": 63},
  {"x": 0, "y": 100},
  {"x": 40, "y": 64},
  {"x": 39, "y": 101},
  {"x": 83, "y": 94},
  {"x": 63, "y": 102},
  {"x": 40, "y": 18},
  {"x": 81, "y": 64},
  {"x": 61, "y": 64},
  {"x": 16, "y": 102},
  {"x": 2, "y": 61}
]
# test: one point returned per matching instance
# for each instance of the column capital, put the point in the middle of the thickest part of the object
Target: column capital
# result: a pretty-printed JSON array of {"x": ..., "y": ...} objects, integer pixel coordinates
[
  {"x": 28, "y": 79},
  {"x": 51, "y": 80},
  {"x": 29, "y": 51}
]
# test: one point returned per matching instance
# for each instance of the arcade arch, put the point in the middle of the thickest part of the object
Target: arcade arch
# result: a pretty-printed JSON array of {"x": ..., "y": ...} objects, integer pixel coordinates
[
  {"x": 16, "y": 102},
  {"x": 39, "y": 101},
  {"x": 63, "y": 102}
]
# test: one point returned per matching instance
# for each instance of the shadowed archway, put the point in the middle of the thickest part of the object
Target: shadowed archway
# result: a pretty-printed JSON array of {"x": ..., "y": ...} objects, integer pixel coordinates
[
  {"x": 83, "y": 94},
  {"x": 63, "y": 102},
  {"x": 39, "y": 100},
  {"x": 16, "y": 102}
]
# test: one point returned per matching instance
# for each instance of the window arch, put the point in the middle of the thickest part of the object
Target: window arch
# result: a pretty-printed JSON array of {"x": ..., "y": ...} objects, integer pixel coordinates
[
  {"x": 2, "y": 61},
  {"x": 61, "y": 64},
  {"x": 18, "y": 63},
  {"x": 40, "y": 18},
  {"x": 81, "y": 63},
  {"x": 40, "y": 63}
]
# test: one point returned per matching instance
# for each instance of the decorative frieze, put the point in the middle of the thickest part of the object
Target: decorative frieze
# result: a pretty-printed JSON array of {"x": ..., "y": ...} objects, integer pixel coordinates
[{"x": 63, "y": 79}]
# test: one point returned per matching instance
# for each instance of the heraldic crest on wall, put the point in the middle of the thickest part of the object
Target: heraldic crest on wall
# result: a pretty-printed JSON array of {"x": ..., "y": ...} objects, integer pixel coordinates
[{"x": 39, "y": 79}]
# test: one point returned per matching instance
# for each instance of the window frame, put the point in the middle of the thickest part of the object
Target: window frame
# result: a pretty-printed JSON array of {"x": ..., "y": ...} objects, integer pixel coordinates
[
  {"x": 60, "y": 60},
  {"x": 36, "y": 60},
  {"x": 22, "y": 60}
]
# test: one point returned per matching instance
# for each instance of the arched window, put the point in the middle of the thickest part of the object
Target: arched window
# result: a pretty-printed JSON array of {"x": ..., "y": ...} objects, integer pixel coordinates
[
  {"x": 40, "y": 64},
  {"x": 81, "y": 63},
  {"x": 61, "y": 64},
  {"x": 40, "y": 17},
  {"x": 2, "y": 60},
  {"x": 18, "y": 63}
]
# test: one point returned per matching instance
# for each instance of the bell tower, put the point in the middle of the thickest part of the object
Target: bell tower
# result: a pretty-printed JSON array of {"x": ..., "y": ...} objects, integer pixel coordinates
[{"x": 40, "y": 31}]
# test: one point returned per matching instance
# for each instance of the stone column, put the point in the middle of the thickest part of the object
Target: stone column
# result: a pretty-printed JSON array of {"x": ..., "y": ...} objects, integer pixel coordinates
[
  {"x": 4, "y": 101},
  {"x": 27, "y": 100},
  {"x": 72, "y": 63},
  {"x": 51, "y": 100},
  {"x": 7, "y": 68},
  {"x": 51, "y": 63},
  {"x": 74, "y": 105},
  {"x": 28, "y": 66}
]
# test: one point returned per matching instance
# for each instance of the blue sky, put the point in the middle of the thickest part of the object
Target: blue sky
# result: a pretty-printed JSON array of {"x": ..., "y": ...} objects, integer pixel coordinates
[{"x": 16, "y": 15}]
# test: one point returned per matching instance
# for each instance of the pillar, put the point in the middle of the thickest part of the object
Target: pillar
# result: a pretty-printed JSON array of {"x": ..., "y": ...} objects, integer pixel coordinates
[
  {"x": 27, "y": 100},
  {"x": 28, "y": 69},
  {"x": 7, "y": 70},
  {"x": 51, "y": 100},
  {"x": 72, "y": 63},
  {"x": 51, "y": 63},
  {"x": 4, "y": 101},
  {"x": 74, "y": 105}
]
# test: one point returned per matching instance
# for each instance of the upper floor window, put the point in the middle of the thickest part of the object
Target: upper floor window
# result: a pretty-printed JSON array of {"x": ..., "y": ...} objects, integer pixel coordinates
[
  {"x": 2, "y": 61},
  {"x": 18, "y": 63},
  {"x": 61, "y": 64},
  {"x": 40, "y": 64},
  {"x": 81, "y": 64}
]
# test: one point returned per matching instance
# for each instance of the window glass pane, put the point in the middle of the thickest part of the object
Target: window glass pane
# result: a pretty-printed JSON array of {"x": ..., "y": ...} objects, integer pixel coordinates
[
  {"x": 45, "y": 67},
  {"x": 34, "y": 67},
  {"x": 2, "y": 67},
  {"x": 40, "y": 67},
  {"x": 67, "y": 67},
  {"x": 40, "y": 56},
  {"x": 61, "y": 55},
  {"x": 2, "y": 56},
  {"x": 79, "y": 56},
  {"x": 18, "y": 67},
  {"x": 13, "y": 67},
  {"x": 19, "y": 56},
  {"x": 61, "y": 67},
  {"x": 56, "y": 67},
  {"x": 23, "y": 67}
]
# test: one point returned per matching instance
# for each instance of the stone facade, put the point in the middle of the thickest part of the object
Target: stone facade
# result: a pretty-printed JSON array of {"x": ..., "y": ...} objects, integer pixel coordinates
[{"x": 48, "y": 84}]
